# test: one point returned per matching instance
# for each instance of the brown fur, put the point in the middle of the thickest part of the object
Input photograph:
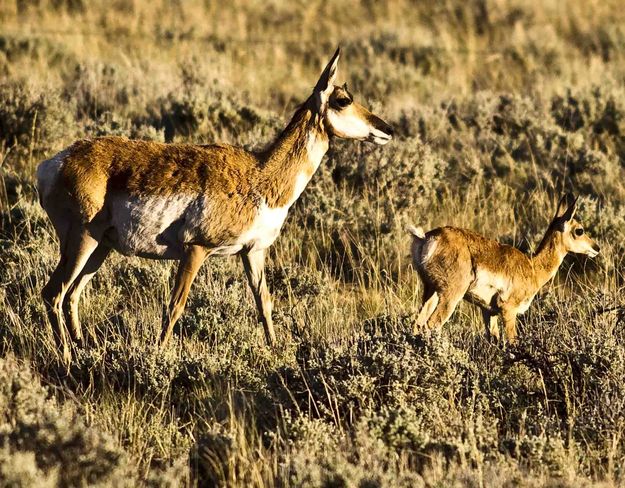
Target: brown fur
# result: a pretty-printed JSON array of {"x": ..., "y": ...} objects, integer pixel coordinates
[{"x": 457, "y": 263}]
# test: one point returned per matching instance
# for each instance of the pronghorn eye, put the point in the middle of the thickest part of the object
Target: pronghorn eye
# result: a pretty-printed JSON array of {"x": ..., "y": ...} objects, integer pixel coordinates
[
  {"x": 579, "y": 232},
  {"x": 343, "y": 102}
]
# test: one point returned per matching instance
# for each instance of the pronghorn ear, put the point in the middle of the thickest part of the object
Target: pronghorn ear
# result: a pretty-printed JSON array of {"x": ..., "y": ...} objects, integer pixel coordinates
[
  {"x": 567, "y": 207},
  {"x": 325, "y": 85}
]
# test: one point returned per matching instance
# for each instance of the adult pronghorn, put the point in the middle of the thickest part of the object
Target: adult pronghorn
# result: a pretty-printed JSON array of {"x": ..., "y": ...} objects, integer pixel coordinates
[
  {"x": 186, "y": 202},
  {"x": 456, "y": 263}
]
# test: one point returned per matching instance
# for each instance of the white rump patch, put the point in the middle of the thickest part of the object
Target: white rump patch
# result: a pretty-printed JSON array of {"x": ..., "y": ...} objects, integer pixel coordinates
[
  {"x": 428, "y": 250},
  {"x": 48, "y": 173}
]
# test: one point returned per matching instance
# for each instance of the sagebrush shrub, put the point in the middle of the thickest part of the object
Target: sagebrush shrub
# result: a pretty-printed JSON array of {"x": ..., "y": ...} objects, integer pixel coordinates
[
  {"x": 55, "y": 441},
  {"x": 33, "y": 122}
]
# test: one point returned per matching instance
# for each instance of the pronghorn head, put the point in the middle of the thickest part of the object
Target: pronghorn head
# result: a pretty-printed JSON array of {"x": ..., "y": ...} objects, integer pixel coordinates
[
  {"x": 343, "y": 117},
  {"x": 574, "y": 237}
]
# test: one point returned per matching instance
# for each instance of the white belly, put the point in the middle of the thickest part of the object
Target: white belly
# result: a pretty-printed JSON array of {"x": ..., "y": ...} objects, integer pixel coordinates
[
  {"x": 157, "y": 226},
  {"x": 488, "y": 284},
  {"x": 149, "y": 226}
]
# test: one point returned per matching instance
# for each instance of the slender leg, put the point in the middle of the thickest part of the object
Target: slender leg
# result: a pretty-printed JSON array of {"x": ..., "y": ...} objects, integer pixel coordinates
[
  {"x": 491, "y": 326},
  {"x": 509, "y": 319},
  {"x": 79, "y": 246},
  {"x": 430, "y": 301},
  {"x": 187, "y": 270},
  {"x": 70, "y": 304},
  {"x": 254, "y": 264},
  {"x": 445, "y": 307}
]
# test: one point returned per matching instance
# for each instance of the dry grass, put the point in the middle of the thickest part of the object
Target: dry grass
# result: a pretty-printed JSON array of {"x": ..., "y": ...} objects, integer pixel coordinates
[{"x": 499, "y": 106}]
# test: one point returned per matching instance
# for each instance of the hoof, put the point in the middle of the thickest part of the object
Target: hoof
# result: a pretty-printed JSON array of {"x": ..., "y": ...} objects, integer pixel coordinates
[{"x": 66, "y": 356}]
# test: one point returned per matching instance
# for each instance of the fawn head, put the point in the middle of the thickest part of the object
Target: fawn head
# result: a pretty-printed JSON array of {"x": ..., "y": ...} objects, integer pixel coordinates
[{"x": 574, "y": 237}]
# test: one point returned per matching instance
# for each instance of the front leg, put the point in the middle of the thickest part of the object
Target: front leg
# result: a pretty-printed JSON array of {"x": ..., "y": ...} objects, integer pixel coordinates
[
  {"x": 187, "y": 269},
  {"x": 254, "y": 265},
  {"x": 509, "y": 319}
]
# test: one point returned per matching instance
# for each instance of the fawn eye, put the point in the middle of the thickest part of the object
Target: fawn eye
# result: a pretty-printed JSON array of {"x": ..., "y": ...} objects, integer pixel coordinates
[
  {"x": 579, "y": 232},
  {"x": 343, "y": 102}
]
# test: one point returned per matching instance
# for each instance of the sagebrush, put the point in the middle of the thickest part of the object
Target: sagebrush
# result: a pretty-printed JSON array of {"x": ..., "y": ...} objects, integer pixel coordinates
[{"x": 498, "y": 108}]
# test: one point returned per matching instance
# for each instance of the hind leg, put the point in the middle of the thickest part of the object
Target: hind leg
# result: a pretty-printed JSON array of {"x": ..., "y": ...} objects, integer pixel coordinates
[
  {"x": 430, "y": 301},
  {"x": 447, "y": 303},
  {"x": 78, "y": 247},
  {"x": 72, "y": 298}
]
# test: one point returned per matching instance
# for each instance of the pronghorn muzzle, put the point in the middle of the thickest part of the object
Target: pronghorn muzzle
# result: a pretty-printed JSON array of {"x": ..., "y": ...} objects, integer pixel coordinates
[{"x": 381, "y": 133}]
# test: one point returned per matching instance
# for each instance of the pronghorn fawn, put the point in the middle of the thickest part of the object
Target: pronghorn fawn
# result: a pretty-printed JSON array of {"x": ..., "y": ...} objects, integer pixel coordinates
[
  {"x": 186, "y": 202},
  {"x": 456, "y": 263}
]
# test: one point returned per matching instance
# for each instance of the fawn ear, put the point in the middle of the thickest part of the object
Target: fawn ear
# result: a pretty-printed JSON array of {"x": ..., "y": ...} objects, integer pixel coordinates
[
  {"x": 325, "y": 85},
  {"x": 567, "y": 207}
]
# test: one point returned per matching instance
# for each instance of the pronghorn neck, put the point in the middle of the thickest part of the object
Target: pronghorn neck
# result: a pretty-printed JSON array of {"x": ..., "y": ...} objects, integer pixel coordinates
[
  {"x": 548, "y": 257},
  {"x": 289, "y": 162}
]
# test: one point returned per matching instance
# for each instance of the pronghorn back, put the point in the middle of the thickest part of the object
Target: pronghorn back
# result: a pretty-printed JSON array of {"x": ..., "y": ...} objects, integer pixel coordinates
[
  {"x": 90, "y": 169},
  {"x": 449, "y": 243}
]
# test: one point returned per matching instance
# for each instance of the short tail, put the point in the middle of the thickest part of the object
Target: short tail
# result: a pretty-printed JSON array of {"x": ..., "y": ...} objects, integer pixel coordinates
[{"x": 416, "y": 231}]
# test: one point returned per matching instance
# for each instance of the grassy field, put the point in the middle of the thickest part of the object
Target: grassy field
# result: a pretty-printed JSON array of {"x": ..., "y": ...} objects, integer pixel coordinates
[{"x": 499, "y": 106}]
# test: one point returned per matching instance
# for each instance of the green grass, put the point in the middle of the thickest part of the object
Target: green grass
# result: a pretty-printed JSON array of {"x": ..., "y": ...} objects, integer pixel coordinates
[{"x": 498, "y": 107}]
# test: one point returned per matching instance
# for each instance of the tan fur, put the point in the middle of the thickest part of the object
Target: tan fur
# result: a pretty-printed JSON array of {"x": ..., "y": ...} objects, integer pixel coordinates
[
  {"x": 186, "y": 201},
  {"x": 457, "y": 263}
]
